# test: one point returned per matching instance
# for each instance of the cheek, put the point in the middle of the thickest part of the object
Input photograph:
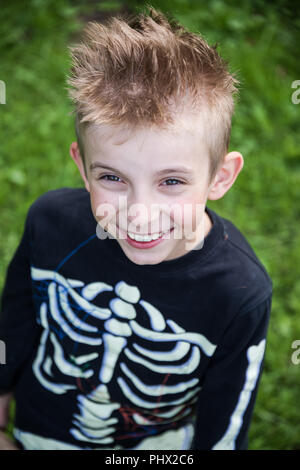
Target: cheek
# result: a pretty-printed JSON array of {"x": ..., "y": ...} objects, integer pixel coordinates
[
  {"x": 100, "y": 204},
  {"x": 96, "y": 200},
  {"x": 188, "y": 213},
  {"x": 106, "y": 208}
]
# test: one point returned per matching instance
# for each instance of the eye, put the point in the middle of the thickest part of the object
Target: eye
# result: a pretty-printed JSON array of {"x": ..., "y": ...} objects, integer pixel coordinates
[
  {"x": 109, "y": 176},
  {"x": 116, "y": 179},
  {"x": 173, "y": 179}
]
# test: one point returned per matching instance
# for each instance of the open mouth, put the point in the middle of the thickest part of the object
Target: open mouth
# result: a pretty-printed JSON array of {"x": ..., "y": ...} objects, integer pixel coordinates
[
  {"x": 144, "y": 244},
  {"x": 147, "y": 238},
  {"x": 144, "y": 241}
]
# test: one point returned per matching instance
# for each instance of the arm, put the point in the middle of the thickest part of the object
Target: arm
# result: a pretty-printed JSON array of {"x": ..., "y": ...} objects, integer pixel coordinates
[
  {"x": 18, "y": 328},
  {"x": 230, "y": 386},
  {"x": 5, "y": 442}
]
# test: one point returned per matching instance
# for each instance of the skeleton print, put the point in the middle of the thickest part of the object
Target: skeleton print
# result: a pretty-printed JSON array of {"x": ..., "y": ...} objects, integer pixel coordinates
[{"x": 115, "y": 336}]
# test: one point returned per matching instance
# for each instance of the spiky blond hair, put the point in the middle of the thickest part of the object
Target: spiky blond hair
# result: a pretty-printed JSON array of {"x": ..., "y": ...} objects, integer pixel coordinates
[{"x": 138, "y": 70}]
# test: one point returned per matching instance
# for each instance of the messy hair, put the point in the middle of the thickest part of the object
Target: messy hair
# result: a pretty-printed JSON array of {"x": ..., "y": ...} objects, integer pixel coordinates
[{"x": 139, "y": 70}]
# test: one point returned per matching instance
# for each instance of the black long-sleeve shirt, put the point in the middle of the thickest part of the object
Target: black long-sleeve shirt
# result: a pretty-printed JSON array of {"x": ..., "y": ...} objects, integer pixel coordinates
[{"x": 102, "y": 353}]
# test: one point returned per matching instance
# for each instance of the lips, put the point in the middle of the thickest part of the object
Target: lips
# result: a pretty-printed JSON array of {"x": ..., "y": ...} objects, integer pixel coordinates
[
  {"x": 146, "y": 238},
  {"x": 147, "y": 244},
  {"x": 159, "y": 234}
]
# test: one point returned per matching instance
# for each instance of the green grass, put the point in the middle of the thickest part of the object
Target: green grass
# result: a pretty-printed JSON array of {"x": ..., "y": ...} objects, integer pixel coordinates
[{"x": 261, "y": 42}]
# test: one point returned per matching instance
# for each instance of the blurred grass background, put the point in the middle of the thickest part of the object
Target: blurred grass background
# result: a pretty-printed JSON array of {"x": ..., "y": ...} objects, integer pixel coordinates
[{"x": 261, "y": 40}]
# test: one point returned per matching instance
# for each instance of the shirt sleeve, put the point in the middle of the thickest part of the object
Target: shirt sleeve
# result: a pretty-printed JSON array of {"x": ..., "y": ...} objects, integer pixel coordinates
[
  {"x": 230, "y": 385},
  {"x": 18, "y": 327}
]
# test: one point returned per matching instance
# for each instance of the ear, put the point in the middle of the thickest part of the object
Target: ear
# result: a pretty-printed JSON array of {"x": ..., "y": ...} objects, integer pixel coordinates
[
  {"x": 226, "y": 175},
  {"x": 76, "y": 156}
]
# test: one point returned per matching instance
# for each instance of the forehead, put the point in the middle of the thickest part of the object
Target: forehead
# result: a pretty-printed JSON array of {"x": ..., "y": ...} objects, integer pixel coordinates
[{"x": 185, "y": 135}]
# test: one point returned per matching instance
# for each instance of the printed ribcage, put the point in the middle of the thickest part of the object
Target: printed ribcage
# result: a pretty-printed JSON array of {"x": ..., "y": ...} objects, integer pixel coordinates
[{"x": 131, "y": 353}]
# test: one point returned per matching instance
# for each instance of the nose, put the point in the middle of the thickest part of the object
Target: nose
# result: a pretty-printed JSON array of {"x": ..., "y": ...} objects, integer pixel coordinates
[
  {"x": 144, "y": 213},
  {"x": 143, "y": 218}
]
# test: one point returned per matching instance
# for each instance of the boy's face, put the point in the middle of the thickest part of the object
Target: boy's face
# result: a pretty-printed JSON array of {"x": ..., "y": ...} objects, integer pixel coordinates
[{"x": 155, "y": 181}]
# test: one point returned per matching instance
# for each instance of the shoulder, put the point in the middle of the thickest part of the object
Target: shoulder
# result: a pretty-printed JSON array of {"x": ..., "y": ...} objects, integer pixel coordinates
[
  {"x": 59, "y": 201},
  {"x": 58, "y": 198},
  {"x": 244, "y": 277},
  {"x": 60, "y": 208}
]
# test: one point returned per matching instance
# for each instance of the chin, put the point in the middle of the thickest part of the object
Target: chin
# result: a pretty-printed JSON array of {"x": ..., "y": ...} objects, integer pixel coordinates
[{"x": 144, "y": 259}]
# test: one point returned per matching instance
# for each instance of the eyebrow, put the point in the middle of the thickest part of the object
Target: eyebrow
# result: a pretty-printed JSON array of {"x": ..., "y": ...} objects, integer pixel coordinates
[{"x": 179, "y": 169}]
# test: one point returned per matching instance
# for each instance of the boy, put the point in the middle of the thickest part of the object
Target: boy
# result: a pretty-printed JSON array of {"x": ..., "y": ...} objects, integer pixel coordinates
[{"x": 135, "y": 317}]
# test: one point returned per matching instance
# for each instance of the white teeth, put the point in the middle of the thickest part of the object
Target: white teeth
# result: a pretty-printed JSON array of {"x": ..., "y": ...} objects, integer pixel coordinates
[{"x": 146, "y": 238}]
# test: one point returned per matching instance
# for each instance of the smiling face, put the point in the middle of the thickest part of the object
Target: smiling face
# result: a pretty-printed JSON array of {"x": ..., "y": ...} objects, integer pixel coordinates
[{"x": 165, "y": 173}]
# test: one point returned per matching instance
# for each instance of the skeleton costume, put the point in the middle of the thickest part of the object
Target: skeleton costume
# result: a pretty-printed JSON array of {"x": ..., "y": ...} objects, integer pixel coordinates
[{"x": 102, "y": 353}]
